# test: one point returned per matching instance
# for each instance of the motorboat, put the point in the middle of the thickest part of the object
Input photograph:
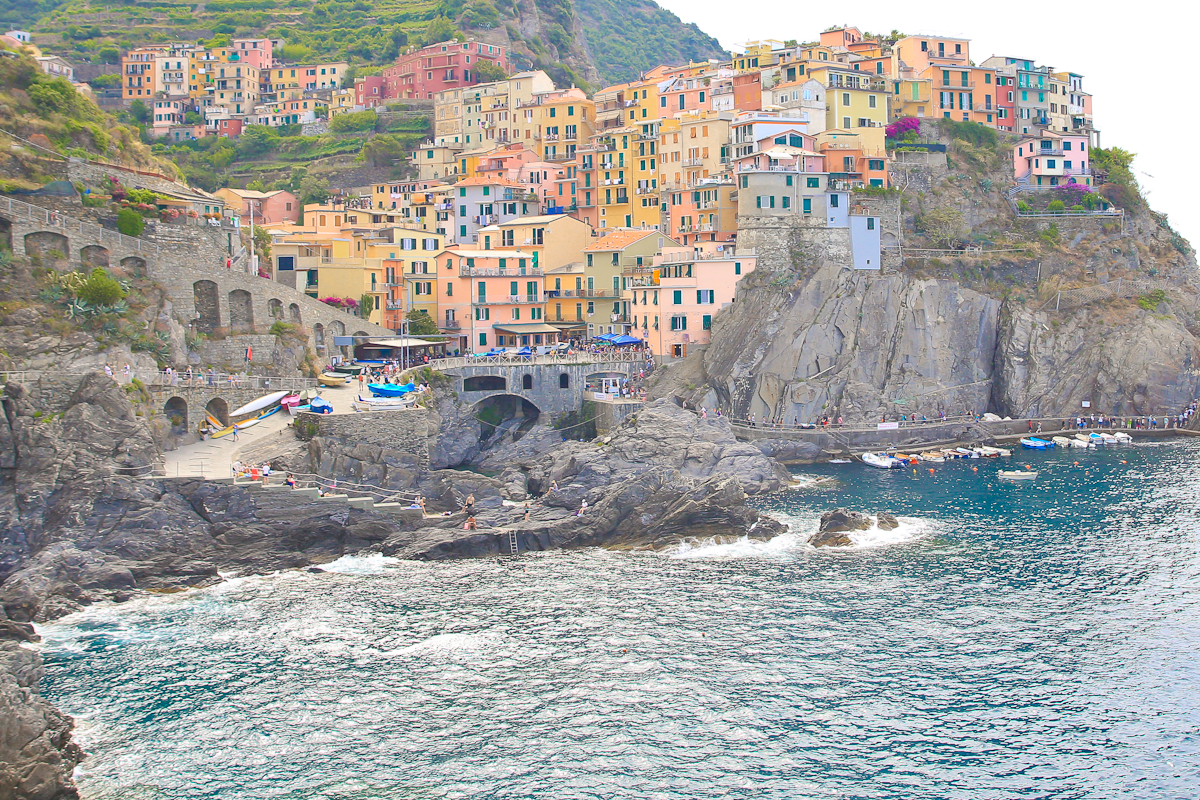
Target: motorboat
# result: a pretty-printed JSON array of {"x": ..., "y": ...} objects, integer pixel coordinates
[
  {"x": 1033, "y": 443},
  {"x": 1083, "y": 439},
  {"x": 385, "y": 403},
  {"x": 906, "y": 458},
  {"x": 993, "y": 452},
  {"x": 934, "y": 457},
  {"x": 1122, "y": 437},
  {"x": 1110, "y": 438},
  {"x": 964, "y": 452},
  {"x": 290, "y": 400},
  {"x": 347, "y": 369},
  {"x": 1098, "y": 439},
  {"x": 882, "y": 461},
  {"x": 266, "y": 401},
  {"x": 320, "y": 406},
  {"x": 1017, "y": 474},
  {"x": 1063, "y": 441},
  {"x": 390, "y": 389},
  {"x": 983, "y": 452},
  {"x": 331, "y": 379}
]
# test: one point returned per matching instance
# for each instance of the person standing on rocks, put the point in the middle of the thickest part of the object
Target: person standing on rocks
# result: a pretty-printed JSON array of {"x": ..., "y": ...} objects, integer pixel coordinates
[{"x": 470, "y": 504}]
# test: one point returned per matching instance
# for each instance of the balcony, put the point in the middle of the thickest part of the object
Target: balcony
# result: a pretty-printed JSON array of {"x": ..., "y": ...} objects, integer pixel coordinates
[
  {"x": 509, "y": 299},
  {"x": 693, "y": 162},
  {"x": 483, "y": 272},
  {"x": 955, "y": 86},
  {"x": 1047, "y": 151},
  {"x": 451, "y": 325}
]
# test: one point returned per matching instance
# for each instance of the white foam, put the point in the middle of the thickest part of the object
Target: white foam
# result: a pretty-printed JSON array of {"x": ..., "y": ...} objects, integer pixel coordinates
[
  {"x": 910, "y": 529},
  {"x": 445, "y": 644},
  {"x": 743, "y": 547},
  {"x": 812, "y": 482},
  {"x": 370, "y": 564}
]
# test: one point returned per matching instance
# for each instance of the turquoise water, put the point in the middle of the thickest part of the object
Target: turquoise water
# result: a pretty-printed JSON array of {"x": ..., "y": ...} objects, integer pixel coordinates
[{"x": 1020, "y": 640}]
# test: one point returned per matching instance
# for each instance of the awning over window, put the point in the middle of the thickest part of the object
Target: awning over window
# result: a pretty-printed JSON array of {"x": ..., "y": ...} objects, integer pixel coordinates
[{"x": 526, "y": 327}]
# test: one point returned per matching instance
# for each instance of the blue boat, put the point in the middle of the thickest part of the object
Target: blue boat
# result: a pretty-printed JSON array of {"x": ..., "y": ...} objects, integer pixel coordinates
[
  {"x": 390, "y": 389},
  {"x": 1034, "y": 443},
  {"x": 320, "y": 406}
]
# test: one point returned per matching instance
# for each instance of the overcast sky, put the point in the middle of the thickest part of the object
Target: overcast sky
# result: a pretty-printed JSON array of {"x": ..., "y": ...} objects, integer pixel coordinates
[{"x": 1140, "y": 80}]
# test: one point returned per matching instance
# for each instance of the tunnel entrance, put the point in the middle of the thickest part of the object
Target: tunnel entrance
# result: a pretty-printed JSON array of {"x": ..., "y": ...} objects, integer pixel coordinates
[{"x": 504, "y": 417}]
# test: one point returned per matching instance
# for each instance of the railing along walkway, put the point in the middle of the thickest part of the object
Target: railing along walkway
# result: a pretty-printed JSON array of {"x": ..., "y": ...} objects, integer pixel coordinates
[
  {"x": 55, "y": 219},
  {"x": 169, "y": 381}
]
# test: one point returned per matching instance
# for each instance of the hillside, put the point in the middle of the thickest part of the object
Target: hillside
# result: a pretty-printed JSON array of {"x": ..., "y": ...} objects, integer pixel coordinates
[{"x": 583, "y": 41}]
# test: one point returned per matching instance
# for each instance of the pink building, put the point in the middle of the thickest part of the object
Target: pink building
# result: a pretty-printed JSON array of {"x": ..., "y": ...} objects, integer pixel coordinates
[
  {"x": 437, "y": 67},
  {"x": 491, "y": 298},
  {"x": 369, "y": 91},
  {"x": 267, "y": 207},
  {"x": 1052, "y": 159},
  {"x": 258, "y": 53},
  {"x": 166, "y": 115}
]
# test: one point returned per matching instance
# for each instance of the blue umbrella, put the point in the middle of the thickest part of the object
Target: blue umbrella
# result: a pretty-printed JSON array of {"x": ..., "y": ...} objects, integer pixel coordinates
[
  {"x": 608, "y": 337},
  {"x": 626, "y": 340}
]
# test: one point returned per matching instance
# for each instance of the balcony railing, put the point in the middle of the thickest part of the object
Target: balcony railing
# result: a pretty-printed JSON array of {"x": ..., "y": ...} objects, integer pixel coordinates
[
  {"x": 693, "y": 162},
  {"x": 960, "y": 85},
  {"x": 509, "y": 299},
  {"x": 1047, "y": 151},
  {"x": 451, "y": 325},
  {"x": 516, "y": 272}
]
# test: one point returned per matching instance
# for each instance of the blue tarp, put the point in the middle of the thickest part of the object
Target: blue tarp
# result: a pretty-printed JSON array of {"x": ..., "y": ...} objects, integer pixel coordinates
[
  {"x": 608, "y": 337},
  {"x": 390, "y": 389},
  {"x": 524, "y": 351},
  {"x": 626, "y": 340}
]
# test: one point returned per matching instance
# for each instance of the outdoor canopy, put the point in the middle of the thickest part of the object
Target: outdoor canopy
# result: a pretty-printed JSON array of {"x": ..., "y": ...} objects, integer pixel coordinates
[
  {"x": 625, "y": 340},
  {"x": 527, "y": 327},
  {"x": 608, "y": 337}
]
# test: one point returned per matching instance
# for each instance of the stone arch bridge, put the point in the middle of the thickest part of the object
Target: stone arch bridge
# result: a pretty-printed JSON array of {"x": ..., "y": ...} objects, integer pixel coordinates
[
  {"x": 190, "y": 262},
  {"x": 554, "y": 384}
]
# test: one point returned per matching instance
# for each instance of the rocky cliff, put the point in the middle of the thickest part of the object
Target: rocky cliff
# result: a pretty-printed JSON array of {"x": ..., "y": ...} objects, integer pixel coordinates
[{"x": 1016, "y": 315}]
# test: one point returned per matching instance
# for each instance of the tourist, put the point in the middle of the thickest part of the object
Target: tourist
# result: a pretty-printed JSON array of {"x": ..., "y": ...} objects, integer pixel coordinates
[
  {"x": 703, "y": 412},
  {"x": 235, "y": 431},
  {"x": 470, "y": 505},
  {"x": 470, "y": 526},
  {"x": 289, "y": 481},
  {"x": 526, "y": 518},
  {"x": 839, "y": 422},
  {"x": 582, "y": 508},
  {"x": 553, "y": 486},
  {"x": 108, "y": 370},
  {"x": 127, "y": 372},
  {"x": 752, "y": 421},
  {"x": 421, "y": 503}
]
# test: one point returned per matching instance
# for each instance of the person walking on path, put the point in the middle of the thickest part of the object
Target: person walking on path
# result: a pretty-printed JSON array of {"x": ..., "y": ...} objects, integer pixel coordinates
[{"x": 235, "y": 431}]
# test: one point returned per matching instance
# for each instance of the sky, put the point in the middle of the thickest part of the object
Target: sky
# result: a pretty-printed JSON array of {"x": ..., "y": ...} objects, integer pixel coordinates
[{"x": 1112, "y": 44}]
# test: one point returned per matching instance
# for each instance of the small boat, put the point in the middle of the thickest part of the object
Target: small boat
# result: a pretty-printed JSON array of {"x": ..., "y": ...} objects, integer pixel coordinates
[
  {"x": 1084, "y": 439},
  {"x": 983, "y": 452},
  {"x": 1034, "y": 443},
  {"x": 347, "y": 369},
  {"x": 1078, "y": 443},
  {"x": 241, "y": 426},
  {"x": 390, "y": 390},
  {"x": 1109, "y": 438},
  {"x": 881, "y": 460},
  {"x": 294, "y": 410},
  {"x": 320, "y": 406},
  {"x": 1017, "y": 474},
  {"x": 906, "y": 458},
  {"x": 330, "y": 379},
  {"x": 993, "y": 452},
  {"x": 1061, "y": 441},
  {"x": 389, "y": 402},
  {"x": 266, "y": 401},
  {"x": 1122, "y": 437},
  {"x": 1098, "y": 439},
  {"x": 963, "y": 452},
  {"x": 839, "y": 461},
  {"x": 934, "y": 457},
  {"x": 269, "y": 412},
  {"x": 290, "y": 400}
]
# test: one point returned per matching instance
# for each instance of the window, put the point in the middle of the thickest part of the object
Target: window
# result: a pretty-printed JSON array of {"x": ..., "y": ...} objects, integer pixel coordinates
[
  {"x": 787, "y": 202},
  {"x": 870, "y": 223},
  {"x": 737, "y": 268},
  {"x": 807, "y": 206},
  {"x": 706, "y": 322},
  {"x": 833, "y": 201},
  {"x": 704, "y": 297},
  {"x": 564, "y": 381},
  {"x": 449, "y": 289},
  {"x": 483, "y": 340},
  {"x": 845, "y": 98},
  {"x": 814, "y": 183},
  {"x": 678, "y": 297},
  {"x": 871, "y": 101},
  {"x": 679, "y": 323}
]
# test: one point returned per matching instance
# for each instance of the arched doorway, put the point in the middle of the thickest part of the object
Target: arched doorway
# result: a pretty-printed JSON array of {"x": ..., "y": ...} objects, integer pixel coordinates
[
  {"x": 241, "y": 311},
  {"x": 564, "y": 381},
  {"x": 526, "y": 382},
  {"x": 275, "y": 308},
  {"x": 177, "y": 412},
  {"x": 48, "y": 248},
  {"x": 133, "y": 265},
  {"x": 319, "y": 337},
  {"x": 294, "y": 313},
  {"x": 5, "y": 234},
  {"x": 208, "y": 306},
  {"x": 94, "y": 256},
  {"x": 218, "y": 409}
]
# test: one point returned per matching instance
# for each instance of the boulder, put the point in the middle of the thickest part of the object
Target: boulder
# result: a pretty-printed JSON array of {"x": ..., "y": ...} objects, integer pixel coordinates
[
  {"x": 887, "y": 522},
  {"x": 835, "y": 528}
]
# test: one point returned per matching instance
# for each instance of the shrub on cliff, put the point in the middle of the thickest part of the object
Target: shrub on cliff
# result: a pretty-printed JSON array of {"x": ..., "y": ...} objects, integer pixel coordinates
[
  {"x": 130, "y": 222},
  {"x": 99, "y": 289}
]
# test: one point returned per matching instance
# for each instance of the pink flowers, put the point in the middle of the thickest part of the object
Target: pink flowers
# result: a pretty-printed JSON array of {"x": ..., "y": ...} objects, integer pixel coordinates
[
  {"x": 344, "y": 303},
  {"x": 903, "y": 126}
]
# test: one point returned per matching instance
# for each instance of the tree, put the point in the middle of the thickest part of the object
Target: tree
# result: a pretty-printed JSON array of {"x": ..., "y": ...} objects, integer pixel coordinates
[
  {"x": 421, "y": 325},
  {"x": 139, "y": 111},
  {"x": 354, "y": 121},
  {"x": 262, "y": 243},
  {"x": 192, "y": 118},
  {"x": 130, "y": 222},
  {"x": 943, "y": 225},
  {"x": 384, "y": 150},
  {"x": 257, "y": 140},
  {"x": 439, "y": 29},
  {"x": 313, "y": 190},
  {"x": 109, "y": 55},
  {"x": 488, "y": 71},
  {"x": 256, "y": 185},
  {"x": 366, "y": 304}
]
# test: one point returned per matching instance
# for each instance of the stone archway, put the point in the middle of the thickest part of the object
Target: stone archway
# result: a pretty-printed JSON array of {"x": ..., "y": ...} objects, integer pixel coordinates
[
  {"x": 275, "y": 308},
  {"x": 336, "y": 328},
  {"x": 134, "y": 265},
  {"x": 48, "y": 247},
  {"x": 505, "y": 415},
  {"x": 94, "y": 256},
  {"x": 6, "y": 242},
  {"x": 241, "y": 311},
  {"x": 218, "y": 409},
  {"x": 208, "y": 306},
  {"x": 319, "y": 336},
  {"x": 176, "y": 411},
  {"x": 485, "y": 383},
  {"x": 294, "y": 314}
]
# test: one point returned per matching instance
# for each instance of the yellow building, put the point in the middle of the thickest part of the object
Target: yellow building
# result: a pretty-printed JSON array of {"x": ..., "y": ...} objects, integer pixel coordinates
[
  {"x": 341, "y": 102},
  {"x": 554, "y": 239},
  {"x": 609, "y": 267},
  {"x": 853, "y": 99},
  {"x": 559, "y": 121},
  {"x": 692, "y": 147}
]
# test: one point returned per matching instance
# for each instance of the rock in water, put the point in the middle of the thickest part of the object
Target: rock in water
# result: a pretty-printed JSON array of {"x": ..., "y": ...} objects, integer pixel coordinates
[
  {"x": 835, "y": 526},
  {"x": 887, "y": 522}
]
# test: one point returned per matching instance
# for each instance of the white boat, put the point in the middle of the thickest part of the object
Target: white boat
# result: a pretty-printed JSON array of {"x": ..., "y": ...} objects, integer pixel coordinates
[
  {"x": 964, "y": 452},
  {"x": 933, "y": 457},
  {"x": 1110, "y": 439},
  {"x": 1098, "y": 439},
  {"x": 1017, "y": 474},
  {"x": 1084, "y": 439},
  {"x": 331, "y": 379},
  {"x": 1061, "y": 441},
  {"x": 266, "y": 401},
  {"x": 1034, "y": 443},
  {"x": 1122, "y": 437},
  {"x": 241, "y": 426},
  {"x": 989, "y": 452},
  {"x": 881, "y": 460}
]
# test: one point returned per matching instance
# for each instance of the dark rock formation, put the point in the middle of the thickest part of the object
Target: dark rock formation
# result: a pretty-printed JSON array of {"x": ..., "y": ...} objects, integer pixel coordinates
[
  {"x": 886, "y": 522},
  {"x": 835, "y": 528}
]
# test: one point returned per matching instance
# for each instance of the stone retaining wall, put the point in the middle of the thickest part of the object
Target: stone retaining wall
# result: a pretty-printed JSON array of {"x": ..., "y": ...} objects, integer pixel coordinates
[{"x": 403, "y": 430}]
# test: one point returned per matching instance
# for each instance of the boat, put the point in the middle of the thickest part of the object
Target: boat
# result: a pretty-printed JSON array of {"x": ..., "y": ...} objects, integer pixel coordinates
[
  {"x": 1079, "y": 443},
  {"x": 1034, "y": 443},
  {"x": 881, "y": 460},
  {"x": 1061, "y": 441},
  {"x": 1017, "y": 474},
  {"x": 389, "y": 402},
  {"x": 241, "y": 426},
  {"x": 982, "y": 452},
  {"x": 347, "y": 369},
  {"x": 906, "y": 458},
  {"x": 320, "y": 406},
  {"x": 963, "y": 452},
  {"x": 934, "y": 457},
  {"x": 266, "y": 401},
  {"x": 1109, "y": 438},
  {"x": 331, "y": 379},
  {"x": 290, "y": 400},
  {"x": 294, "y": 410},
  {"x": 1083, "y": 439},
  {"x": 1098, "y": 439},
  {"x": 390, "y": 389},
  {"x": 269, "y": 412},
  {"x": 1122, "y": 437},
  {"x": 993, "y": 452}
]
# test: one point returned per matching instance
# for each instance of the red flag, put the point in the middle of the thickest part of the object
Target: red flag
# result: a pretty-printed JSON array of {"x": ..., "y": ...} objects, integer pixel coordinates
[{"x": 249, "y": 353}]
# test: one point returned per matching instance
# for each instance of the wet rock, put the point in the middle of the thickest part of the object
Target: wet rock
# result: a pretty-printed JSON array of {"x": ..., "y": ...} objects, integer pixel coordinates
[
  {"x": 835, "y": 528},
  {"x": 886, "y": 522}
]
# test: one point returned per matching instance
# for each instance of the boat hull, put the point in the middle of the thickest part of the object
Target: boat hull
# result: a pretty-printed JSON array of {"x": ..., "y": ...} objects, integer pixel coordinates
[{"x": 266, "y": 401}]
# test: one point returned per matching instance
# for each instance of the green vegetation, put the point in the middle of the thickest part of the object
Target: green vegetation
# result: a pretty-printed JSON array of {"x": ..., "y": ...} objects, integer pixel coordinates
[
  {"x": 943, "y": 225},
  {"x": 1122, "y": 188},
  {"x": 99, "y": 289},
  {"x": 366, "y": 305},
  {"x": 1150, "y": 301},
  {"x": 130, "y": 222},
  {"x": 972, "y": 132},
  {"x": 628, "y": 37},
  {"x": 420, "y": 325}
]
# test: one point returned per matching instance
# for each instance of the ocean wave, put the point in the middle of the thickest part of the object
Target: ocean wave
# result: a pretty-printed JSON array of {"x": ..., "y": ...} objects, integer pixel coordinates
[
  {"x": 368, "y": 564},
  {"x": 742, "y": 547},
  {"x": 811, "y": 482},
  {"x": 446, "y": 644},
  {"x": 910, "y": 529}
]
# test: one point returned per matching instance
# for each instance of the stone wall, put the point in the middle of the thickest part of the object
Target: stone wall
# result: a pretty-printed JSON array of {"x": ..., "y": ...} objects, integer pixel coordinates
[
  {"x": 91, "y": 172},
  {"x": 546, "y": 390},
  {"x": 796, "y": 243},
  {"x": 402, "y": 430},
  {"x": 611, "y": 413}
]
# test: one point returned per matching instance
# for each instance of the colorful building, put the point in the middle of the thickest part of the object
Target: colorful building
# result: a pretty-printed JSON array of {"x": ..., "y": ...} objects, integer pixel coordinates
[{"x": 420, "y": 74}]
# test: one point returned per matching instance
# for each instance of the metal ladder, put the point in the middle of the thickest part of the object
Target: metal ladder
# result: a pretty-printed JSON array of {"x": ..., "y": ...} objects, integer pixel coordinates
[{"x": 512, "y": 542}]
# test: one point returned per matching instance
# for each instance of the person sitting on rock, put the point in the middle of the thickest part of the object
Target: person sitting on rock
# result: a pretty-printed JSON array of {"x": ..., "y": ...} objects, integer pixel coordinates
[
  {"x": 470, "y": 526},
  {"x": 582, "y": 508},
  {"x": 289, "y": 481}
]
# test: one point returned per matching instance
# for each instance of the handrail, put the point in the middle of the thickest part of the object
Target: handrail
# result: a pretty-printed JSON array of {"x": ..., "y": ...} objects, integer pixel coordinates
[
  {"x": 174, "y": 380},
  {"x": 55, "y": 219}
]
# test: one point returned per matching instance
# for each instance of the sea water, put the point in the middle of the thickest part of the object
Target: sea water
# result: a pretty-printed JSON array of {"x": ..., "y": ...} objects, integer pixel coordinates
[{"x": 1010, "y": 640}]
